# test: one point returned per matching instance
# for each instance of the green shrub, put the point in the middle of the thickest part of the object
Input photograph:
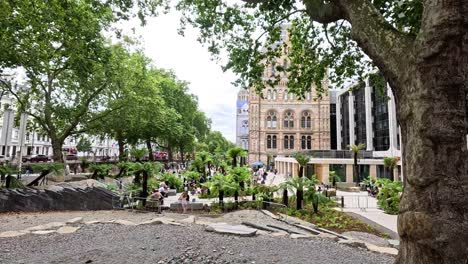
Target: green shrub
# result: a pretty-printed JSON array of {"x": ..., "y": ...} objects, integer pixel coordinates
[
  {"x": 173, "y": 181},
  {"x": 389, "y": 194}
]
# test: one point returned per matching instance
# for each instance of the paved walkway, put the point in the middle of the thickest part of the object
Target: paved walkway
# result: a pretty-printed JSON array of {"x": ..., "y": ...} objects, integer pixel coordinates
[
  {"x": 374, "y": 214},
  {"x": 354, "y": 204}
]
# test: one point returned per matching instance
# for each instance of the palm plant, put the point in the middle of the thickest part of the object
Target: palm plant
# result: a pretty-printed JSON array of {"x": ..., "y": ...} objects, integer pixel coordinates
[
  {"x": 138, "y": 153},
  {"x": 298, "y": 184},
  {"x": 390, "y": 163},
  {"x": 355, "y": 150},
  {"x": 302, "y": 159},
  {"x": 234, "y": 153},
  {"x": 333, "y": 178},
  {"x": 221, "y": 184},
  {"x": 205, "y": 158},
  {"x": 240, "y": 175}
]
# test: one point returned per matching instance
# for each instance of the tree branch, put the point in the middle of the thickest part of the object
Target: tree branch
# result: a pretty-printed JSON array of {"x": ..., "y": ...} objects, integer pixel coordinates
[
  {"x": 388, "y": 48},
  {"x": 322, "y": 12}
]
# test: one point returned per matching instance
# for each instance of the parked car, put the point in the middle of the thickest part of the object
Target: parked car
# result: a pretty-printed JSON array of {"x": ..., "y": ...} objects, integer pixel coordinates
[
  {"x": 71, "y": 157},
  {"x": 36, "y": 158}
]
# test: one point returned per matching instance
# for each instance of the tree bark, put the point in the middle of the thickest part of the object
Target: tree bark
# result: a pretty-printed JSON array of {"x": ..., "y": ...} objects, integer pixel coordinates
[
  {"x": 285, "y": 197},
  {"x": 150, "y": 150},
  {"x": 121, "y": 144},
  {"x": 299, "y": 198},
  {"x": 355, "y": 169},
  {"x": 57, "y": 150}
]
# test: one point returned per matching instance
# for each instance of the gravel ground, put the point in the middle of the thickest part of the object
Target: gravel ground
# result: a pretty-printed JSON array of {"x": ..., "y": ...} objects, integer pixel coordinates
[{"x": 108, "y": 243}]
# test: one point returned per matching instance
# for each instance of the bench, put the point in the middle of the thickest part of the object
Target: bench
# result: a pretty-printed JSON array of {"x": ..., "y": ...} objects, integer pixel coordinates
[{"x": 177, "y": 206}]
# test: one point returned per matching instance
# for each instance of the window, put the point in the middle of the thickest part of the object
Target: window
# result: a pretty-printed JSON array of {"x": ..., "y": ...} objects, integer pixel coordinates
[
  {"x": 271, "y": 142},
  {"x": 271, "y": 120},
  {"x": 288, "y": 119},
  {"x": 274, "y": 94},
  {"x": 269, "y": 94},
  {"x": 307, "y": 96},
  {"x": 306, "y": 142},
  {"x": 306, "y": 120},
  {"x": 288, "y": 142}
]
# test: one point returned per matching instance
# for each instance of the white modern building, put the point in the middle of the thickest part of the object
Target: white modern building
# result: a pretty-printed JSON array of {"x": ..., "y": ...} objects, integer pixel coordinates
[{"x": 37, "y": 143}]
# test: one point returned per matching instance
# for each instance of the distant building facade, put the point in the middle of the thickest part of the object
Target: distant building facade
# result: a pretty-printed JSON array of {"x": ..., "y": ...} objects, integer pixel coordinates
[{"x": 242, "y": 119}]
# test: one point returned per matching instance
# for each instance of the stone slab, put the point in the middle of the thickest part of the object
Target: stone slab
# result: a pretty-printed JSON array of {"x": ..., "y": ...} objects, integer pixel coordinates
[
  {"x": 75, "y": 220},
  {"x": 7, "y": 234},
  {"x": 308, "y": 229},
  {"x": 48, "y": 226},
  {"x": 270, "y": 214},
  {"x": 67, "y": 229},
  {"x": 298, "y": 236},
  {"x": 383, "y": 250},
  {"x": 152, "y": 222},
  {"x": 260, "y": 227},
  {"x": 238, "y": 230},
  {"x": 43, "y": 232}
]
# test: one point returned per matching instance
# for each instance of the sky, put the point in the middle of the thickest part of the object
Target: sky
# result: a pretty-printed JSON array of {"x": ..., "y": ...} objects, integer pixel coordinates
[{"x": 191, "y": 62}]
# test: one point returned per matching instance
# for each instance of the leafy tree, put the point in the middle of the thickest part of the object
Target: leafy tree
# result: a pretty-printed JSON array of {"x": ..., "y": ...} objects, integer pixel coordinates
[
  {"x": 138, "y": 153},
  {"x": 355, "y": 150},
  {"x": 389, "y": 195},
  {"x": 84, "y": 145},
  {"x": 203, "y": 158},
  {"x": 418, "y": 47},
  {"x": 100, "y": 170}
]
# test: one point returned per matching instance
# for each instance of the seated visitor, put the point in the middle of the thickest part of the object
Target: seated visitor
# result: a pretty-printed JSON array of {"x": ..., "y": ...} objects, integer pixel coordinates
[{"x": 183, "y": 199}]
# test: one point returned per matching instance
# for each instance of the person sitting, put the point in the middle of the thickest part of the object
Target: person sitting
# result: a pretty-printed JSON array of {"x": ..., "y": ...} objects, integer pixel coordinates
[{"x": 162, "y": 190}]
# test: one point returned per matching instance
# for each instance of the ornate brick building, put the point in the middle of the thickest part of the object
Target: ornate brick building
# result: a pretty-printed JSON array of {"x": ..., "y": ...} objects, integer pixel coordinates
[{"x": 282, "y": 124}]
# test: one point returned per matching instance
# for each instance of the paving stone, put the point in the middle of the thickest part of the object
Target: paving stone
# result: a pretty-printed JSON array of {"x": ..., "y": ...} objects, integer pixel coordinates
[
  {"x": 75, "y": 220},
  {"x": 12, "y": 234},
  {"x": 329, "y": 236},
  {"x": 67, "y": 229},
  {"x": 238, "y": 230},
  {"x": 368, "y": 238},
  {"x": 308, "y": 229},
  {"x": 93, "y": 222},
  {"x": 394, "y": 243}
]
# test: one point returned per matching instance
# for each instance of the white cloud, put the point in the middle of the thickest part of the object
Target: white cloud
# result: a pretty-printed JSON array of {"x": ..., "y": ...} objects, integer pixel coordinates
[{"x": 191, "y": 62}]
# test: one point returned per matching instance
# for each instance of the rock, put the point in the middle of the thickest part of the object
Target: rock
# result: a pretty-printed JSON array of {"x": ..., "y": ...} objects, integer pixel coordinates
[
  {"x": 383, "y": 250},
  {"x": 123, "y": 222},
  {"x": 43, "y": 232},
  {"x": 270, "y": 214},
  {"x": 75, "y": 220},
  {"x": 297, "y": 236},
  {"x": 188, "y": 220},
  {"x": 93, "y": 222},
  {"x": 394, "y": 243},
  {"x": 328, "y": 236},
  {"x": 67, "y": 229},
  {"x": 368, "y": 238},
  {"x": 353, "y": 243},
  {"x": 308, "y": 229},
  {"x": 152, "y": 222},
  {"x": 238, "y": 230},
  {"x": 49, "y": 226},
  {"x": 279, "y": 234},
  {"x": 174, "y": 223},
  {"x": 260, "y": 227},
  {"x": 12, "y": 234}
]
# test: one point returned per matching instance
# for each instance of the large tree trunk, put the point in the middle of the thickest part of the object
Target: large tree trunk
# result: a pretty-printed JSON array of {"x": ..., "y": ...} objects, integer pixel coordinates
[
  {"x": 57, "y": 150},
  {"x": 433, "y": 220},
  {"x": 150, "y": 150},
  {"x": 355, "y": 169}
]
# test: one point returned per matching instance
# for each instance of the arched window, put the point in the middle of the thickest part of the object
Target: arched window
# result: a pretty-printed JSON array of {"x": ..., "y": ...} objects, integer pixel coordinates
[
  {"x": 271, "y": 142},
  {"x": 288, "y": 142},
  {"x": 269, "y": 94},
  {"x": 288, "y": 119},
  {"x": 306, "y": 142},
  {"x": 306, "y": 120},
  {"x": 291, "y": 96},
  {"x": 271, "y": 120},
  {"x": 274, "y": 94},
  {"x": 285, "y": 95},
  {"x": 307, "y": 96}
]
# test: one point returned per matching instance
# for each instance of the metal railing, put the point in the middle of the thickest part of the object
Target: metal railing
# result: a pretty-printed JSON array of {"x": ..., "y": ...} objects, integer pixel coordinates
[{"x": 362, "y": 202}]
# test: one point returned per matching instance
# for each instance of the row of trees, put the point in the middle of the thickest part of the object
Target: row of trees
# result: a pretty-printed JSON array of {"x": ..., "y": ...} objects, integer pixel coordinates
[{"x": 64, "y": 73}]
